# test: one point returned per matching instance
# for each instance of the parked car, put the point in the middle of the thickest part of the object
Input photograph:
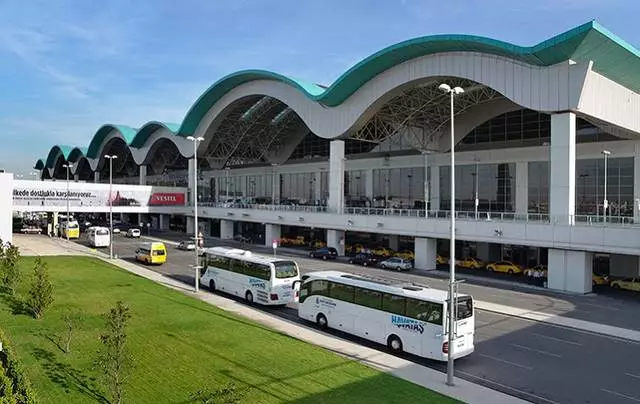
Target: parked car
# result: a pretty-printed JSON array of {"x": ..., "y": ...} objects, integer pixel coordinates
[
  {"x": 599, "y": 279},
  {"x": 364, "y": 259},
  {"x": 187, "y": 245},
  {"x": 133, "y": 233},
  {"x": 406, "y": 254},
  {"x": 627, "y": 284},
  {"x": 470, "y": 263},
  {"x": 325, "y": 253},
  {"x": 382, "y": 252},
  {"x": 397, "y": 263},
  {"x": 440, "y": 260},
  {"x": 507, "y": 267}
]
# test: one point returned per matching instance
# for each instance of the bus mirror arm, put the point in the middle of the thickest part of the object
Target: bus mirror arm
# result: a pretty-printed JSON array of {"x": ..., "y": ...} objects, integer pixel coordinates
[{"x": 293, "y": 285}]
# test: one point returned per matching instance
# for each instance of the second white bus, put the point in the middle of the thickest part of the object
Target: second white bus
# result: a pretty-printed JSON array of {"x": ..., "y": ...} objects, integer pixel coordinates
[
  {"x": 99, "y": 237},
  {"x": 405, "y": 317},
  {"x": 256, "y": 278}
]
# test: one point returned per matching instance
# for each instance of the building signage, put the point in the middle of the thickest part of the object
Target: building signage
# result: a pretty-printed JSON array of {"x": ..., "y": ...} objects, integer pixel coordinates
[{"x": 55, "y": 194}]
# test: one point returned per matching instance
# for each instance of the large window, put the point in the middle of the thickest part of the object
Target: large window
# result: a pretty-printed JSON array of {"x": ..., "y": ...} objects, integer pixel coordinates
[
  {"x": 538, "y": 186},
  {"x": 400, "y": 187},
  {"x": 590, "y": 186},
  {"x": 495, "y": 185}
]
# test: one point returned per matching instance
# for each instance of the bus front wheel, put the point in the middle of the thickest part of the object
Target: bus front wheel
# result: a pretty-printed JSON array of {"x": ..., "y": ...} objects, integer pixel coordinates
[
  {"x": 394, "y": 343},
  {"x": 322, "y": 322},
  {"x": 249, "y": 297}
]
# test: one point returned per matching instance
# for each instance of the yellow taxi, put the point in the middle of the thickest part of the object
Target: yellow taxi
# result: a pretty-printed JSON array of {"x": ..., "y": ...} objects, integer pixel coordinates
[
  {"x": 632, "y": 284},
  {"x": 470, "y": 263},
  {"x": 297, "y": 241},
  {"x": 506, "y": 267},
  {"x": 406, "y": 255},
  {"x": 382, "y": 252},
  {"x": 317, "y": 244},
  {"x": 440, "y": 260},
  {"x": 353, "y": 249},
  {"x": 597, "y": 279}
]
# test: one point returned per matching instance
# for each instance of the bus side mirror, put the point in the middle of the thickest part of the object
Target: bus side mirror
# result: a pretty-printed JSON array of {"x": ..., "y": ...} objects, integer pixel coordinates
[{"x": 293, "y": 285}]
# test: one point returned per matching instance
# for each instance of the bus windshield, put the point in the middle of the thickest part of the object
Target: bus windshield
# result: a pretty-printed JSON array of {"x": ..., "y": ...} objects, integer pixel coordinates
[
  {"x": 464, "y": 307},
  {"x": 285, "y": 269}
]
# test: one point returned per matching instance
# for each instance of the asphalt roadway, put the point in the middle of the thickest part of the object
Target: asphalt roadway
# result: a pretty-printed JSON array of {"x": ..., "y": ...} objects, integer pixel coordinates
[{"x": 534, "y": 361}]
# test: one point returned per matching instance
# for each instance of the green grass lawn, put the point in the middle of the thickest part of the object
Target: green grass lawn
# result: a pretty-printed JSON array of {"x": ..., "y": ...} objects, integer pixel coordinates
[{"x": 180, "y": 345}]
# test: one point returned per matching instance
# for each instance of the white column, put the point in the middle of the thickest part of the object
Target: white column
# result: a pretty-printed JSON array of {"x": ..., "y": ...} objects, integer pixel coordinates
[
  {"x": 191, "y": 193},
  {"x": 143, "y": 175},
  {"x": 56, "y": 230},
  {"x": 570, "y": 271},
  {"x": 335, "y": 239},
  {"x": 394, "y": 242},
  {"x": 6, "y": 203},
  {"x": 636, "y": 183},
  {"x": 368, "y": 185},
  {"x": 425, "y": 253},
  {"x": 336, "y": 176},
  {"x": 562, "y": 189},
  {"x": 522, "y": 187},
  {"x": 226, "y": 229},
  {"x": 190, "y": 225},
  {"x": 271, "y": 233},
  {"x": 96, "y": 176},
  {"x": 434, "y": 190}
]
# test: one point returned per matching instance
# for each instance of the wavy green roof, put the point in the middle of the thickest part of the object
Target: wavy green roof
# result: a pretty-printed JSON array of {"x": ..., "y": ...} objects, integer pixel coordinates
[
  {"x": 612, "y": 57},
  {"x": 53, "y": 153},
  {"x": 39, "y": 164}
]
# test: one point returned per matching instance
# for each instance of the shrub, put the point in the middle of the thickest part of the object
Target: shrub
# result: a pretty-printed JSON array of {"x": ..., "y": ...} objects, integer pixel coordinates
[
  {"x": 12, "y": 377},
  {"x": 10, "y": 268},
  {"x": 41, "y": 291}
]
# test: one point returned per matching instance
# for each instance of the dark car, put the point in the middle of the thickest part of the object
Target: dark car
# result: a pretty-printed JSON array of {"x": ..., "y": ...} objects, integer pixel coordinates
[
  {"x": 325, "y": 253},
  {"x": 364, "y": 260}
]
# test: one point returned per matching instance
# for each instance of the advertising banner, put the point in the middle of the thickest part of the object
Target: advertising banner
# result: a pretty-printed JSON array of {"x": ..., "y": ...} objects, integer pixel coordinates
[{"x": 54, "y": 194}]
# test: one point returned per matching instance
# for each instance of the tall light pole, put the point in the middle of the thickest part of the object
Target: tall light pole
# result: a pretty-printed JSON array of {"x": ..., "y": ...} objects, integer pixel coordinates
[
  {"x": 605, "y": 204},
  {"x": 110, "y": 158},
  {"x": 68, "y": 166},
  {"x": 196, "y": 230},
  {"x": 452, "y": 257},
  {"x": 476, "y": 201},
  {"x": 35, "y": 175}
]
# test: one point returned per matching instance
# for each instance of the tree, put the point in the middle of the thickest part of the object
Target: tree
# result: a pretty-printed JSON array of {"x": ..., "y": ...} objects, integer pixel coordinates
[
  {"x": 10, "y": 268},
  {"x": 71, "y": 320},
  {"x": 114, "y": 360},
  {"x": 41, "y": 291}
]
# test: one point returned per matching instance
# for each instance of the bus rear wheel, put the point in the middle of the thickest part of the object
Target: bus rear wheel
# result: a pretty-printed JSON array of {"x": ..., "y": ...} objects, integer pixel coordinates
[
  {"x": 394, "y": 343},
  {"x": 322, "y": 322},
  {"x": 212, "y": 286}
]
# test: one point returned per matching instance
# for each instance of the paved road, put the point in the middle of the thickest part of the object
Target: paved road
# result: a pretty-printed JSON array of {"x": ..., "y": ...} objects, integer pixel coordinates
[
  {"x": 615, "y": 308},
  {"x": 534, "y": 361}
]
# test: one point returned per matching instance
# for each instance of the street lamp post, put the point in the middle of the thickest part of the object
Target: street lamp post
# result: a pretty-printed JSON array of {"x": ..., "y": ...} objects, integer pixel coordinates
[
  {"x": 452, "y": 257},
  {"x": 476, "y": 200},
  {"x": 110, "y": 157},
  {"x": 605, "y": 204},
  {"x": 68, "y": 166},
  {"x": 196, "y": 230}
]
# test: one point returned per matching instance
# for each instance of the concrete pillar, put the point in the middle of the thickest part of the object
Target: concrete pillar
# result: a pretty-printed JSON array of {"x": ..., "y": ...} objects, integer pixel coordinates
[
  {"x": 163, "y": 222},
  {"x": 271, "y": 233},
  {"x": 96, "y": 176},
  {"x": 335, "y": 239},
  {"x": 394, "y": 242},
  {"x": 562, "y": 189},
  {"x": 336, "y": 177},
  {"x": 226, "y": 229},
  {"x": 190, "y": 195},
  {"x": 425, "y": 253},
  {"x": 522, "y": 187},
  {"x": 56, "y": 230},
  {"x": 434, "y": 188},
  {"x": 570, "y": 271},
  {"x": 143, "y": 175},
  {"x": 190, "y": 224},
  {"x": 368, "y": 185},
  {"x": 636, "y": 183}
]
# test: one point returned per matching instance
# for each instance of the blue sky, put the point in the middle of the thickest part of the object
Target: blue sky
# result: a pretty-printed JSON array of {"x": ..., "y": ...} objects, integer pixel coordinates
[{"x": 67, "y": 67}]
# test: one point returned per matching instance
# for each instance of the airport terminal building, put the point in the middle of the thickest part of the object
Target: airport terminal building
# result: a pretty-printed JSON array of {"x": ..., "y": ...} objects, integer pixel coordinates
[{"x": 547, "y": 154}]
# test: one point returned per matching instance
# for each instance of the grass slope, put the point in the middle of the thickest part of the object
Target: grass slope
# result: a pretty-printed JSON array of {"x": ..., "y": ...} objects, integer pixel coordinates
[{"x": 180, "y": 345}]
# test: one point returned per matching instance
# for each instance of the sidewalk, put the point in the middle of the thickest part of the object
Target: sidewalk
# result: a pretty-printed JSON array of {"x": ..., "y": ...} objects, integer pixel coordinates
[
  {"x": 533, "y": 315},
  {"x": 431, "y": 379}
]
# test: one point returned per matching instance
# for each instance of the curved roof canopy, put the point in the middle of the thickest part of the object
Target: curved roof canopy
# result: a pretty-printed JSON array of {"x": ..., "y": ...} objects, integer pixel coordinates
[{"x": 612, "y": 57}]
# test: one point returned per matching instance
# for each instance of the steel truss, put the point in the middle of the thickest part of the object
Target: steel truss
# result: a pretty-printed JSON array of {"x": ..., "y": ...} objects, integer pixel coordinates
[
  {"x": 251, "y": 132},
  {"x": 165, "y": 154},
  {"x": 419, "y": 113}
]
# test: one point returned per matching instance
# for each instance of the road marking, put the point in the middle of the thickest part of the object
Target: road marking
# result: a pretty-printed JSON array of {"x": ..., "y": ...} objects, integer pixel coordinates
[
  {"x": 507, "y": 362},
  {"x": 526, "y": 348},
  {"x": 615, "y": 393},
  {"x": 632, "y": 375},
  {"x": 524, "y": 393},
  {"x": 556, "y": 339}
]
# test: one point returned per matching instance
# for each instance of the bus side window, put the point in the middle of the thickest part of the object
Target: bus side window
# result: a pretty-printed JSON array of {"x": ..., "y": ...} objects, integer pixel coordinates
[
  {"x": 393, "y": 304},
  {"x": 305, "y": 291},
  {"x": 320, "y": 288}
]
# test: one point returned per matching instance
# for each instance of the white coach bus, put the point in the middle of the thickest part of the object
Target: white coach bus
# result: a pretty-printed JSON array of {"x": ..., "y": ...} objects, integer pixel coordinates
[
  {"x": 257, "y": 278},
  {"x": 405, "y": 317}
]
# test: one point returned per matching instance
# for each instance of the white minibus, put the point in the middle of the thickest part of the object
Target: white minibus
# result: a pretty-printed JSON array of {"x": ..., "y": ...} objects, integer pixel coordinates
[
  {"x": 256, "y": 278},
  {"x": 405, "y": 317},
  {"x": 99, "y": 237}
]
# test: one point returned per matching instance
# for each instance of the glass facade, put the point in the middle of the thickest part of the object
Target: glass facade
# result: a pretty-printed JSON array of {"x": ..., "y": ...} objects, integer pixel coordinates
[
  {"x": 495, "y": 183},
  {"x": 589, "y": 186},
  {"x": 402, "y": 188},
  {"x": 302, "y": 188}
]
